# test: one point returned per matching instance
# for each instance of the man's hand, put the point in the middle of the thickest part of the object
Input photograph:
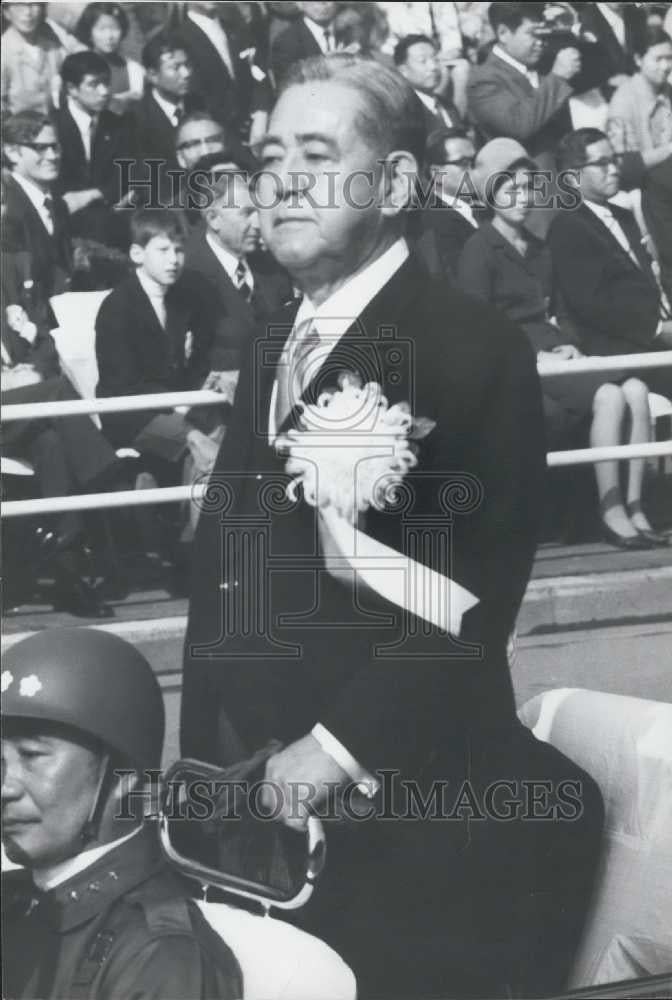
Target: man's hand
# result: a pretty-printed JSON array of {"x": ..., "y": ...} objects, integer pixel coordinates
[
  {"x": 567, "y": 63},
  {"x": 79, "y": 200},
  {"x": 664, "y": 338},
  {"x": 566, "y": 352},
  {"x": 299, "y": 778}
]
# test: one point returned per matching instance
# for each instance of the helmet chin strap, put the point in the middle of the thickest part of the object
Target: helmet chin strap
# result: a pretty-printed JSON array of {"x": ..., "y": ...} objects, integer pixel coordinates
[{"x": 91, "y": 828}]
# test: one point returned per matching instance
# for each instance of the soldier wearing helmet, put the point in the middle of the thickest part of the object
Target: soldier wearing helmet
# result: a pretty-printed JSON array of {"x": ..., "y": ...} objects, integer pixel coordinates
[{"x": 94, "y": 912}]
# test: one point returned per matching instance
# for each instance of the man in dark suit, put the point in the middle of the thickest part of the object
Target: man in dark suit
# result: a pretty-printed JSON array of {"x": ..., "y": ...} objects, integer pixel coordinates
[
  {"x": 149, "y": 339},
  {"x": 506, "y": 95},
  {"x": 309, "y": 35},
  {"x": 287, "y": 639},
  {"x": 169, "y": 97},
  {"x": 236, "y": 91},
  {"x": 92, "y": 140},
  {"x": 415, "y": 56},
  {"x": 224, "y": 268},
  {"x": 601, "y": 269},
  {"x": 35, "y": 219},
  {"x": 448, "y": 219}
]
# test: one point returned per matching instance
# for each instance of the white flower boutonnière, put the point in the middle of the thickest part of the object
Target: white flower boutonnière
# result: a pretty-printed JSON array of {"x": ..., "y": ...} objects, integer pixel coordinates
[{"x": 350, "y": 453}]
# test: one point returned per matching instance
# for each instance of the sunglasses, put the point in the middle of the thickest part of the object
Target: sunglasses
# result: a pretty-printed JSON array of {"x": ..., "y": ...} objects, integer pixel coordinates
[
  {"x": 602, "y": 164},
  {"x": 464, "y": 162}
]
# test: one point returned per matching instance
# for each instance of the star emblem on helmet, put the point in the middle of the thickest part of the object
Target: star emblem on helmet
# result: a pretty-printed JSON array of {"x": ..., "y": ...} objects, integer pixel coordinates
[
  {"x": 6, "y": 679},
  {"x": 30, "y": 686}
]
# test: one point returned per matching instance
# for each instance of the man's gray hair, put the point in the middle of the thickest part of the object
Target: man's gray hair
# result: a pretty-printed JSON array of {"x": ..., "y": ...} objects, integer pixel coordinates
[{"x": 390, "y": 117}]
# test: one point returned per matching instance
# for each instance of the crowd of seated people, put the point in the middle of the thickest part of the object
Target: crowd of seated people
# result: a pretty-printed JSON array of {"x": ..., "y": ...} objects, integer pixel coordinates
[{"x": 115, "y": 116}]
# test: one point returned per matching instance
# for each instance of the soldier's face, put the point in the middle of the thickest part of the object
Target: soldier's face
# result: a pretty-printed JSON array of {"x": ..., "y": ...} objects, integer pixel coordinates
[
  {"x": 318, "y": 188},
  {"x": 49, "y": 784}
]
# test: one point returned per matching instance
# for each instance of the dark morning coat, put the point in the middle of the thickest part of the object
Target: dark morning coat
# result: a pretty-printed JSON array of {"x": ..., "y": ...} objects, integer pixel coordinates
[
  {"x": 294, "y": 43},
  {"x": 136, "y": 355},
  {"x": 234, "y": 320},
  {"x": 274, "y": 644}
]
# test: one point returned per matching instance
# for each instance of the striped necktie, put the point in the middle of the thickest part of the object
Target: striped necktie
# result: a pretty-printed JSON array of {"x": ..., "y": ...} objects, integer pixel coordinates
[{"x": 241, "y": 279}]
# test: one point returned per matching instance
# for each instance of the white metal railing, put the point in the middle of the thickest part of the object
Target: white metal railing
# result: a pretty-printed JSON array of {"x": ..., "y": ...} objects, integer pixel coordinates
[{"x": 161, "y": 401}]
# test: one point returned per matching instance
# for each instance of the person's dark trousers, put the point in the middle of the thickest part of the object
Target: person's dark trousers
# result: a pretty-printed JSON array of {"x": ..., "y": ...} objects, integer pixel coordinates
[{"x": 68, "y": 453}]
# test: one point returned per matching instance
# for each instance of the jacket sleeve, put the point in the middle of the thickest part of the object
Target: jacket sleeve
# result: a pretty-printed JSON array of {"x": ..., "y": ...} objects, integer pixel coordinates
[
  {"x": 170, "y": 967},
  {"x": 473, "y": 270},
  {"x": 499, "y": 111}
]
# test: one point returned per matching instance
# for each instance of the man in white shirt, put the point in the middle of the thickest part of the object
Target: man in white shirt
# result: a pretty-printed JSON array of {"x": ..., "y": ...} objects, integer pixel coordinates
[
  {"x": 310, "y": 35},
  {"x": 289, "y": 638}
]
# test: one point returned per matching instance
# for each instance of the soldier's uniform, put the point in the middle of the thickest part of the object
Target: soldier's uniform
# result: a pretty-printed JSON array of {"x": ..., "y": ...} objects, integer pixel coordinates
[{"x": 123, "y": 927}]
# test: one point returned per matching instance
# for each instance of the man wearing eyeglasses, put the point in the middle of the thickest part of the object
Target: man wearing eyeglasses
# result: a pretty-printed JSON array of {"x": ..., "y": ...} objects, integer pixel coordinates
[
  {"x": 602, "y": 268},
  {"x": 35, "y": 217},
  {"x": 448, "y": 218}
]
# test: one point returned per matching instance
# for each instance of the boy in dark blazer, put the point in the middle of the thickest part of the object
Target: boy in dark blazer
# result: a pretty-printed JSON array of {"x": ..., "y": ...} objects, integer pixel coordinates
[{"x": 151, "y": 338}]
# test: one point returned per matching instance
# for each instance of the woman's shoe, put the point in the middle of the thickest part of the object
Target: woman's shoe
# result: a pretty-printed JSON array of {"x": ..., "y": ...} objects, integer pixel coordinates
[
  {"x": 656, "y": 538},
  {"x": 631, "y": 542}
]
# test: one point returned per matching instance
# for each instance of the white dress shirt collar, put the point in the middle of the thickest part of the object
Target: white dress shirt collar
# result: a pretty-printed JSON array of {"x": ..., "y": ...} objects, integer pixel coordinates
[
  {"x": 37, "y": 198},
  {"x": 85, "y": 123},
  {"x": 434, "y": 105},
  {"x": 228, "y": 260},
  {"x": 214, "y": 30},
  {"x": 531, "y": 74},
  {"x": 615, "y": 22},
  {"x": 169, "y": 109},
  {"x": 318, "y": 33},
  {"x": 48, "y": 878},
  {"x": 336, "y": 315},
  {"x": 463, "y": 207}
]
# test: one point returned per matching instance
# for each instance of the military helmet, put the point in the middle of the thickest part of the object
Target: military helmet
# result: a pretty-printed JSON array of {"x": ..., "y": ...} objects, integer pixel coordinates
[{"x": 90, "y": 680}]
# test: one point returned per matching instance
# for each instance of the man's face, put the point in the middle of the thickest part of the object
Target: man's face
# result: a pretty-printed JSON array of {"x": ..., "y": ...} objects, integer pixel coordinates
[
  {"x": 421, "y": 68},
  {"x": 173, "y": 77},
  {"x": 196, "y": 140},
  {"x": 523, "y": 44},
  {"x": 92, "y": 94},
  {"x": 317, "y": 173},
  {"x": 234, "y": 219},
  {"x": 25, "y": 17},
  {"x": 656, "y": 64},
  {"x": 599, "y": 176},
  {"x": 451, "y": 175},
  {"x": 321, "y": 13},
  {"x": 49, "y": 784},
  {"x": 39, "y": 161},
  {"x": 106, "y": 34},
  {"x": 162, "y": 259}
]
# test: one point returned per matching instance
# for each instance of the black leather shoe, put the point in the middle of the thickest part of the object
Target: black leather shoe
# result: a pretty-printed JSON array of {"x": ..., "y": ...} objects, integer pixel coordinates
[{"x": 630, "y": 542}]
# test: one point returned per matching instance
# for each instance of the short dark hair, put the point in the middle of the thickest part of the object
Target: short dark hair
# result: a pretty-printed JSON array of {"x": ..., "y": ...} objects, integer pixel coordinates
[
  {"x": 512, "y": 15},
  {"x": 82, "y": 64},
  {"x": 407, "y": 42},
  {"x": 435, "y": 150},
  {"x": 389, "y": 115},
  {"x": 160, "y": 45},
  {"x": 572, "y": 148},
  {"x": 147, "y": 223},
  {"x": 90, "y": 15},
  {"x": 647, "y": 36},
  {"x": 24, "y": 126}
]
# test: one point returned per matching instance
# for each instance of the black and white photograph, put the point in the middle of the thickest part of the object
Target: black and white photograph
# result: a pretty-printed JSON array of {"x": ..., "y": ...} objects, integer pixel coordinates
[{"x": 336, "y": 500}]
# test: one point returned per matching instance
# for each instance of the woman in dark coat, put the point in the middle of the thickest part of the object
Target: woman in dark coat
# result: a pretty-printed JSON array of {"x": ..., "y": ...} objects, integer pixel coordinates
[{"x": 508, "y": 266}]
